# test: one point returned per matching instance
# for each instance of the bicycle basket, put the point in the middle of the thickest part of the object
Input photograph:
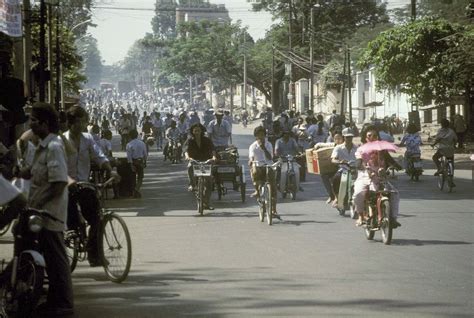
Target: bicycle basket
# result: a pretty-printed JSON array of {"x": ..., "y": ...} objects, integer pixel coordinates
[{"x": 202, "y": 170}]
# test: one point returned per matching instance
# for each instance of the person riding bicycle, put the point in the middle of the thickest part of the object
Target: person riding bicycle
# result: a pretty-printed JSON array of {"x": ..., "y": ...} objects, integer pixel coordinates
[
  {"x": 412, "y": 141},
  {"x": 260, "y": 151},
  {"x": 446, "y": 138},
  {"x": 79, "y": 168},
  {"x": 342, "y": 154},
  {"x": 200, "y": 148},
  {"x": 368, "y": 165},
  {"x": 172, "y": 134},
  {"x": 219, "y": 130}
]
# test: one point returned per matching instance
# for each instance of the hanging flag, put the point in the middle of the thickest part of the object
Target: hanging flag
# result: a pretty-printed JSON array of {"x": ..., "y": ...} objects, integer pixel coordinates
[{"x": 10, "y": 18}]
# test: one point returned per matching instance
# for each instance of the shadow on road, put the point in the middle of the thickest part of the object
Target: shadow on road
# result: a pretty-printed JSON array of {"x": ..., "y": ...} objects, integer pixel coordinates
[{"x": 415, "y": 242}]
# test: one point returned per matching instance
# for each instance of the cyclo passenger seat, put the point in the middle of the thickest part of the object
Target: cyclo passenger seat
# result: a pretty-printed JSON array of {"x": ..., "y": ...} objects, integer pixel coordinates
[{"x": 228, "y": 156}]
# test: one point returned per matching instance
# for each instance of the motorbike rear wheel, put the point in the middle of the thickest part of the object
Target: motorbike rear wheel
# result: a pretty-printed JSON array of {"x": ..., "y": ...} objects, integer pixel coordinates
[
  {"x": 385, "y": 225},
  {"x": 28, "y": 288}
]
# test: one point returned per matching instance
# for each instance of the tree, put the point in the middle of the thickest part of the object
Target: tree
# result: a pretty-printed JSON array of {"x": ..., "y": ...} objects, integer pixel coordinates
[
  {"x": 429, "y": 59},
  {"x": 451, "y": 10},
  {"x": 91, "y": 60},
  {"x": 164, "y": 21}
]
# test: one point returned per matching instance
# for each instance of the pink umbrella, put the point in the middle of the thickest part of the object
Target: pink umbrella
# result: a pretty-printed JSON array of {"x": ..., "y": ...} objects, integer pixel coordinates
[{"x": 377, "y": 145}]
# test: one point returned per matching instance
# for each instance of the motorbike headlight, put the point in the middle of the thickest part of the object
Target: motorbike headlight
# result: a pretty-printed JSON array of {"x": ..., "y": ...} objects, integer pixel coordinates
[{"x": 35, "y": 223}]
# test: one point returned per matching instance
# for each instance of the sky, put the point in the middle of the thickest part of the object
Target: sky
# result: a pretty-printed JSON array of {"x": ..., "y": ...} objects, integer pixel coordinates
[{"x": 117, "y": 30}]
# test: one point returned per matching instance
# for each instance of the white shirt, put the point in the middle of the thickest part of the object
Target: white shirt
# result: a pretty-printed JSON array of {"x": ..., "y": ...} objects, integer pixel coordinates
[
  {"x": 136, "y": 149},
  {"x": 341, "y": 152},
  {"x": 79, "y": 163},
  {"x": 219, "y": 134},
  {"x": 256, "y": 153}
]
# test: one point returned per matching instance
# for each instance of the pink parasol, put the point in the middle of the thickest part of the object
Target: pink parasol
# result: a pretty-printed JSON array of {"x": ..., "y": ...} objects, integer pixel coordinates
[{"x": 377, "y": 145}]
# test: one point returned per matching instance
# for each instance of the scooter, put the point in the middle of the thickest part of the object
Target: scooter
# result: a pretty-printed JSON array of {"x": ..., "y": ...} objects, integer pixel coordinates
[
  {"x": 21, "y": 281},
  {"x": 346, "y": 189},
  {"x": 290, "y": 177}
]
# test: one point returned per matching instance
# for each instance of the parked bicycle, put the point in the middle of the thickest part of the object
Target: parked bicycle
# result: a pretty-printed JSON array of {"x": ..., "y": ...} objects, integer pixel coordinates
[
  {"x": 114, "y": 243},
  {"x": 202, "y": 172}
]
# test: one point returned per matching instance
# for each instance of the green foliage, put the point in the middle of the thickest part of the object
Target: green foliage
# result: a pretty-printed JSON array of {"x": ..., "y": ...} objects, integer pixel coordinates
[
  {"x": 425, "y": 59},
  {"x": 164, "y": 21},
  {"x": 91, "y": 60},
  {"x": 332, "y": 74}
]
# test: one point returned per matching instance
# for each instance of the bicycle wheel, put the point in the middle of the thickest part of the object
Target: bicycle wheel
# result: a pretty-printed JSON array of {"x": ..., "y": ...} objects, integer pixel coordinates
[
  {"x": 199, "y": 196},
  {"x": 268, "y": 203},
  {"x": 442, "y": 174},
  {"x": 386, "y": 226},
  {"x": 449, "y": 176},
  {"x": 71, "y": 241},
  {"x": 5, "y": 229},
  {"x": 115, "y": 247},
  {"x": 261, "y": 203}
]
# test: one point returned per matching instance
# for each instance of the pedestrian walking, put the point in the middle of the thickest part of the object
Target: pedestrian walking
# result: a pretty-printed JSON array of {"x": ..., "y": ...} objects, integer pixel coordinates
[
  {"x": 137, "y": 156},
  {"x": 460, "y": 127}
]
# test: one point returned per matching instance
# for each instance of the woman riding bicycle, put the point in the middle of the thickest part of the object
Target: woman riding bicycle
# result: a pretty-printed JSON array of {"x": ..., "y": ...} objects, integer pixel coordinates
[
  {"x": 446, "y": 138},
  {"x": 199, "y": 148},
  {"x": 260, "y": 152}
]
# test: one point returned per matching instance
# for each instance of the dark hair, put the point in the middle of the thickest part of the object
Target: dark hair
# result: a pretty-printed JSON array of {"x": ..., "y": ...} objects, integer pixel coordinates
[
  {"x": 203, "y": 129},
  {"x": 259, "y": 129},
  {"x": 411, "y": 129},
  {"x": 106, "y": 133},
  {"x": 133, "y": 134},
  {"x": 364, "y": 131},
  {"x": 76, "y": 112},
  {"x": 444, "y": 123},
  {"x": 44, "y": 112}
]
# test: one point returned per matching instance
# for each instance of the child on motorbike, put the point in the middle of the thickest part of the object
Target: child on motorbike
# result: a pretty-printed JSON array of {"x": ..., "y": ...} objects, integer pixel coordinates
[
  {"x": 412, "y": 141},
  {"x": 369, "y": 165}
]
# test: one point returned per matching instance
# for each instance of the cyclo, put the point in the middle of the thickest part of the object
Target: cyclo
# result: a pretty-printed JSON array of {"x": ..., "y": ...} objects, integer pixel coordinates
[
  {"x": 228, "y": 170},
  {"x": 113, "y": 243}
]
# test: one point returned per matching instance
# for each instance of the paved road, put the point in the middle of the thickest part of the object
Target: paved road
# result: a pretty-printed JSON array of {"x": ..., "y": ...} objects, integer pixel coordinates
[{"x": 313, "y": 263}]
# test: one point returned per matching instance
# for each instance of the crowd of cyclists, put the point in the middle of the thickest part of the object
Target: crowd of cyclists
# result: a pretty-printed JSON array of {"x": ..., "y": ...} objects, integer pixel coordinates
[{"x": 79, "y": 140}]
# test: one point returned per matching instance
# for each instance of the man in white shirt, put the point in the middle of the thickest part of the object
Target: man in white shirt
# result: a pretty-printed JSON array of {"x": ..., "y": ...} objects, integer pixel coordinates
[
  {"x": 136, "y": 157},
  {"x": 79, "y": 167},
  {"x": 219, "y": 131},
  {"x": 260, "y": 154}
]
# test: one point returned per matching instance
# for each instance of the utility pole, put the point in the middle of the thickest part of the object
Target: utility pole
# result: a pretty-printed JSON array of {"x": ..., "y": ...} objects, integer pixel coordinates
[
  {"x": 42, "y": 53},
  {"x": 210, "y": 90},
  {"x": 413, "y": 10},
  {"x": 27, "y": 45},
  {"x": 244, "y": 90},
  {"x": 290, "y": 47},
  {"x": 311, "y": 61},
  {"x": 273, "y": 80},
  {"x": 190, "y": 90},
  {"x": 50, "y": 53},
  {"x": 350, "y": 83},
  {"x": 345, "y": 78},
  {"x": 57, "y": 95}
]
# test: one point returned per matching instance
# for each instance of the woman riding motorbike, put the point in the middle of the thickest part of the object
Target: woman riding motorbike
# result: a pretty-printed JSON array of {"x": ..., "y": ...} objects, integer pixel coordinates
[{"x": 367, "y": 177}]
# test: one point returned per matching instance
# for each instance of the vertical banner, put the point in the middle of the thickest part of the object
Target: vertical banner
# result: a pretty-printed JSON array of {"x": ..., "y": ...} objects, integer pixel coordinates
[{"x": 10, "y": 18}]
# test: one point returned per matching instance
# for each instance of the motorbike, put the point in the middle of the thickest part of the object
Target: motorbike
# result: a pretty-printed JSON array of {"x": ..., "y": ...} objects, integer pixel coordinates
[
  {"x": 346, "y": 189},
  {"x": 414, "y": 166},
  {"x": 21, "y": 281},
  {"x": 174, "y": 151},
  {"x": 289, "y": 177},
  {"x": 378, "y": 205}
]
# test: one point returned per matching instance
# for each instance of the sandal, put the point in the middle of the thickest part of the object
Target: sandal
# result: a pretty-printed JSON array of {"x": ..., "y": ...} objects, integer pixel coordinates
[{"x": 359, "y": 222}]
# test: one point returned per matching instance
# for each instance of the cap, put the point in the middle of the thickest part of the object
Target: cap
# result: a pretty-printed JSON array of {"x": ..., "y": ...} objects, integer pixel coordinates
[
  {"x": 347, "y": 132},
  {"x": 219, "y": 112}
]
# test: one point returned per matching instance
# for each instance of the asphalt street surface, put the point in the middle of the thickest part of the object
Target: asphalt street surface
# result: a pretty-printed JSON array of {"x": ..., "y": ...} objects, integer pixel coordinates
[{"x": 313, "y": 263}]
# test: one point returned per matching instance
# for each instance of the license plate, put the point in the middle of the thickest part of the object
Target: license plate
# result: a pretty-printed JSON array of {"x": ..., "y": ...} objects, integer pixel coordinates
[
  {"x": 418, "y": 164},
  {"x": 226, "y": 169},
  {"x": 202, "y": 170}
]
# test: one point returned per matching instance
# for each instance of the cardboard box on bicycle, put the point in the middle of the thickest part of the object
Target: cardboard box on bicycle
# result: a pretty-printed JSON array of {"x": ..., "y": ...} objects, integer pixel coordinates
[
  {"x": 309, "y": 160},
  {"x": 322, "y": 161}
]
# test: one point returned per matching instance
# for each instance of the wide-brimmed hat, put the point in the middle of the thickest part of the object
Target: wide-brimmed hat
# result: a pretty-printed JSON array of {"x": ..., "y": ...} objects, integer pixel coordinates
[{"x": 348, "y": 132}]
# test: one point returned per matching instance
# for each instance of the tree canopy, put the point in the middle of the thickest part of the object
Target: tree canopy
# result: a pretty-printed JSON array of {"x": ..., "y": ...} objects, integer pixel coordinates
[{"x": 430, "y": 59}]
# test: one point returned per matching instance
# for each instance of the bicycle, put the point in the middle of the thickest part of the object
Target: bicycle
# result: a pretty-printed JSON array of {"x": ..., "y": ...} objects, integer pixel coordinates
[
  {"x": 114, "y": 243},
  {"x": 446, "y": 174},
  {"x": 202, "y": 171},
  {"x": 264, "y": 193}
]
